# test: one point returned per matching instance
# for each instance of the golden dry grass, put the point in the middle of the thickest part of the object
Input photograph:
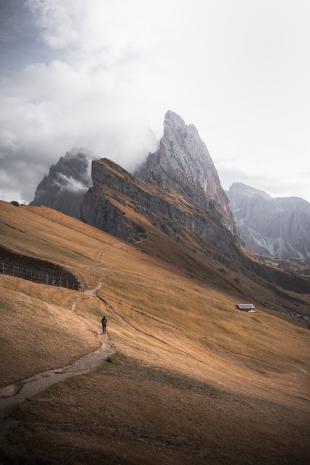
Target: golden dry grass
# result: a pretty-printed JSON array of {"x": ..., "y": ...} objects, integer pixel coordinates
[
  {"x": 176, "y": 316},
  {"x": 132, "y": 413},
  {"x": 38, "y": 331}
]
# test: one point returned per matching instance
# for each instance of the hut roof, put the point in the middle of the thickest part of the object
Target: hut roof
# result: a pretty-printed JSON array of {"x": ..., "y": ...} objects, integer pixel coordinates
[{"x": 245, "y": 306}]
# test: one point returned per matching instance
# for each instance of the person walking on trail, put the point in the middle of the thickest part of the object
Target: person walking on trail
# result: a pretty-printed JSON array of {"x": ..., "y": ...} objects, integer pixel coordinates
[{"x": 104, "y": 324}]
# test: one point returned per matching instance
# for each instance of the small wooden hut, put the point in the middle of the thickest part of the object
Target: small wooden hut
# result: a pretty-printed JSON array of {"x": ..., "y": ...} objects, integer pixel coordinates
[{"x": 246, "y": 307}]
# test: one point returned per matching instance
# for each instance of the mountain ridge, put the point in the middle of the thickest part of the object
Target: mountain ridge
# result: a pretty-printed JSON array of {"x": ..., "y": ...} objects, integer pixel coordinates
[{"x": 273, "y": 226}]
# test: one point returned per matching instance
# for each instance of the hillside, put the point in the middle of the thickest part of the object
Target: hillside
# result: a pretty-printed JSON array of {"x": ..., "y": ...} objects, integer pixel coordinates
[{"x": 193, "y": 381}]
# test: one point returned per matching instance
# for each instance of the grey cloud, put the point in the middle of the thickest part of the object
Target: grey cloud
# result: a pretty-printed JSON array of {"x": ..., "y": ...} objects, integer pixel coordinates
[
  {"x": 70, "y": 184},
  {"x": 20, "y": 42},
  {"x": 92, "y": 74},
  {"x": 19, "y": 175}
]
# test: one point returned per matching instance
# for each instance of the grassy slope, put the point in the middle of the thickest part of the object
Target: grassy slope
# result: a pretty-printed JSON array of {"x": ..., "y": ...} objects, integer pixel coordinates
[
  {"x": 183, "y": 332},
  {"x": 38, "y": 331},
  {"x": 132, "y": 413}
]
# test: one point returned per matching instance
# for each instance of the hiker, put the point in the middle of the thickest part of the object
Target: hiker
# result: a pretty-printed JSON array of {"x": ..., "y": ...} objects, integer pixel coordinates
[{"x": 104, "y": 324}]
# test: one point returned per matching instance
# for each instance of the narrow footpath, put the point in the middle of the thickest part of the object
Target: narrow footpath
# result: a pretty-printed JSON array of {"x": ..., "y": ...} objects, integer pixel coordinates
[{"x": 14, "y": 394}]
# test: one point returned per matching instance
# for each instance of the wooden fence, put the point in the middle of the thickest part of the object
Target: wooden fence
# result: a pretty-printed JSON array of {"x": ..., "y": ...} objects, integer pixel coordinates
[{"x": 60, "y": 277}]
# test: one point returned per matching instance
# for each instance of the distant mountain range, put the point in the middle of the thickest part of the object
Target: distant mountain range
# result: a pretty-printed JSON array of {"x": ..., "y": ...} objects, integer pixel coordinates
[
  {"x": 275, "y": 227},
  {"x": 177, "y": 188}
]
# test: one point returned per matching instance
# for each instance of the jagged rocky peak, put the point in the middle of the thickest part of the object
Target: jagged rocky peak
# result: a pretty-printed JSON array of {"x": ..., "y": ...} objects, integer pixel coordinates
[
  {"x": 64, "y": 186},
  {"x": 75, "y": 165},
  {"x": 174, "y": 127},
  {"x": 183, "y": 164}
]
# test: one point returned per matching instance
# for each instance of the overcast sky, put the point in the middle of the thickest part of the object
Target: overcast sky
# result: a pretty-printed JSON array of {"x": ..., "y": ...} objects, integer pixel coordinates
[{"x": 100, "y": 74}]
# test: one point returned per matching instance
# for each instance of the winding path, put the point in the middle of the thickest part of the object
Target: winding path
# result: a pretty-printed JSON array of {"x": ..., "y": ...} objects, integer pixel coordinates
[{"x": 14, "y": 394}]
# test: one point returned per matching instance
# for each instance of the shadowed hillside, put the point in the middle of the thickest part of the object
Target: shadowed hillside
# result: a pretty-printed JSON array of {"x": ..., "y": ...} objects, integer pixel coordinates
[{"x": 35, "y": 270}]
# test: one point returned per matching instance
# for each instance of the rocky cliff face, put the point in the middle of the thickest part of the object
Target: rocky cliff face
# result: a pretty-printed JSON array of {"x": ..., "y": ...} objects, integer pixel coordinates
[
  {"x": 123, "y": 205},
  {"x": 132, "y": 209},
  {"x": 65, "y": 185},
  {"x": 105, "y": 203},
  {"x": 276, "y": 227},
  {"x": 183, "y": 164}
]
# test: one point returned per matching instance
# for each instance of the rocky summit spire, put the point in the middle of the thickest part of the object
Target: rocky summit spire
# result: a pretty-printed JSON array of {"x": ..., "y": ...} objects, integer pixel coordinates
[
  {"x": 65, "y": 185},
  {"x": 183, "y": 164}
]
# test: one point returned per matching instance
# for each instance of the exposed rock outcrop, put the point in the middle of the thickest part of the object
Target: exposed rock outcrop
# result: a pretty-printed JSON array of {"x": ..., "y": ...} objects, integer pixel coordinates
[
  {"x": 102, "y": 205},
  {"x": 65, "y": 185},
  {"x": 119, "y": 203},
  {"x": 276, "y": 227},
  {"x": 183, "y": 164}
]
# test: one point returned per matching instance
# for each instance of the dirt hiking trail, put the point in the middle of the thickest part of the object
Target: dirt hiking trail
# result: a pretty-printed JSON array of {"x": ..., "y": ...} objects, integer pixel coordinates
[{"x": 14, "y": 394}]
